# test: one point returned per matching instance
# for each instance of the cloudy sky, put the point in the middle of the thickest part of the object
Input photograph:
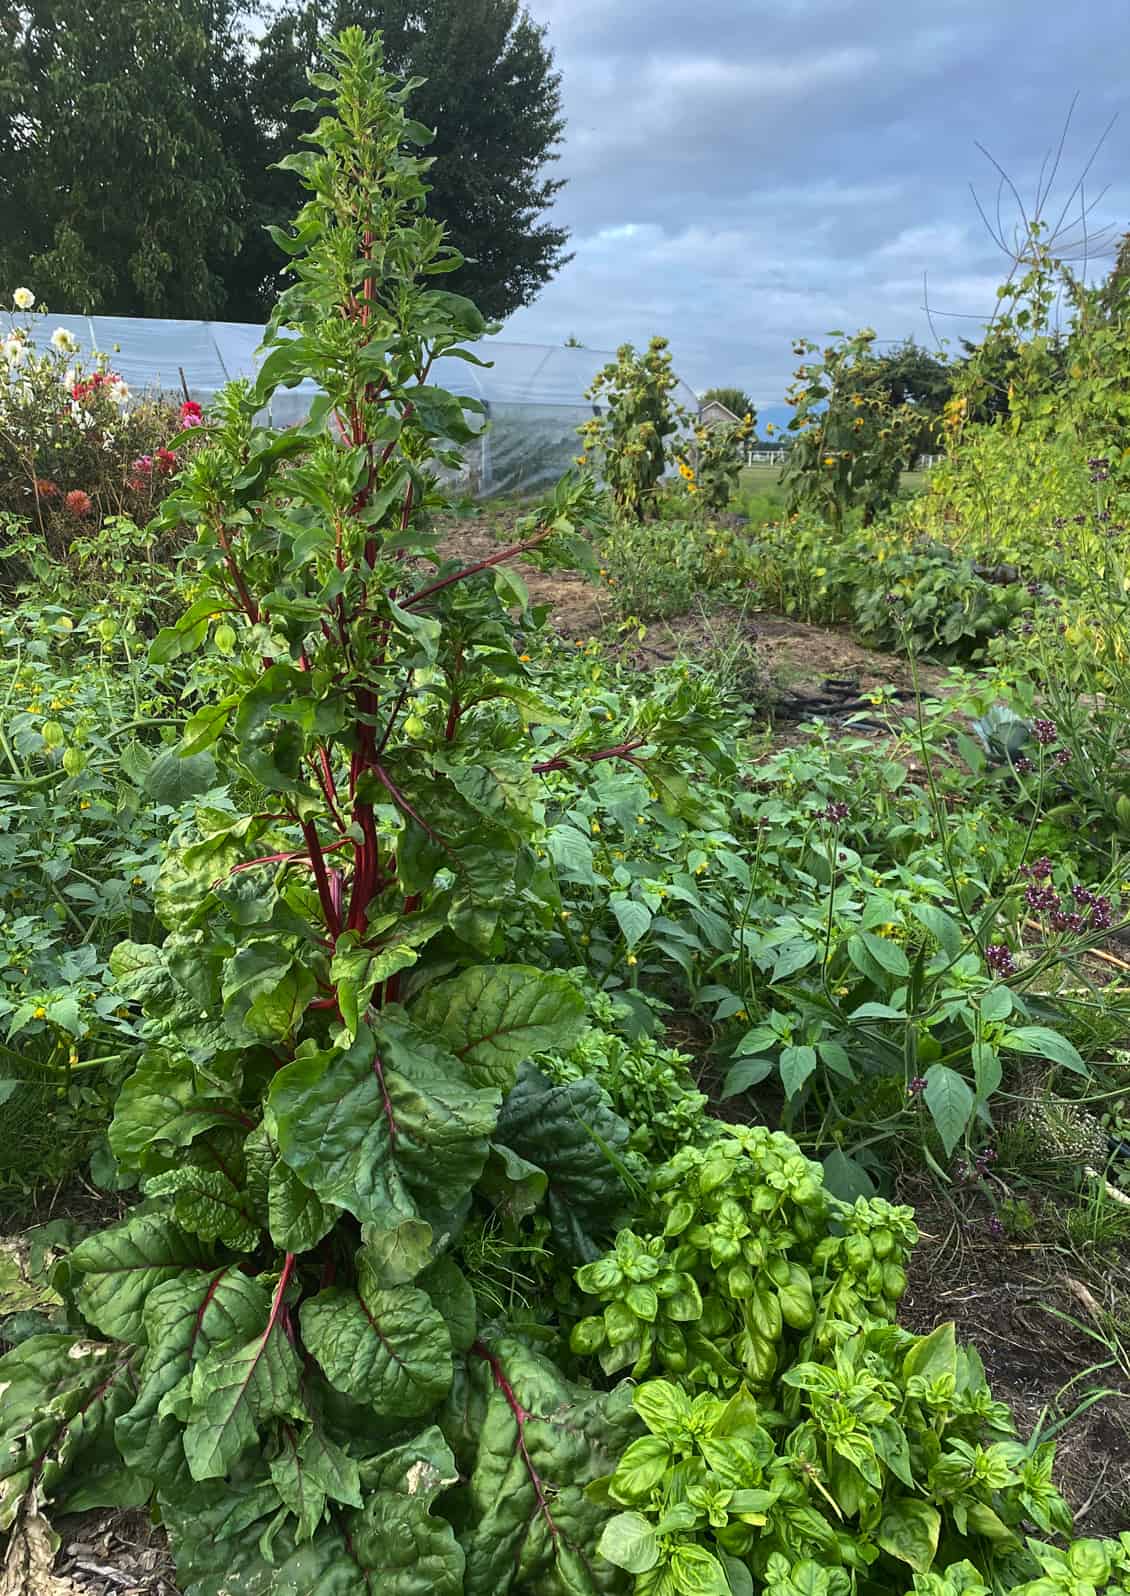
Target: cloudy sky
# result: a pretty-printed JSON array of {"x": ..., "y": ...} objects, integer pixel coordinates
[{"x": 740, "y": 173}]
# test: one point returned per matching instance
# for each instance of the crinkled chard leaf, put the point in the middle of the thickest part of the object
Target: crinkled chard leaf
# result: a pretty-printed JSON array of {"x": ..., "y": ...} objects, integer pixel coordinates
[
  {"x": 208, "y": 1203},
  {"x": 184, "y": 1319},
  {"x": 386, "y": 1129},
  {"x": 542, "y": 1440},
  {"x": 493, "y": 1017},
  {"x": 388, "y": 1347},
  {"x": 237, "y": 1387},
  {"x": 117, "y": 1269},
  {"x": 59, "y": 1397},
  {"x": 570, "y": 1132}
]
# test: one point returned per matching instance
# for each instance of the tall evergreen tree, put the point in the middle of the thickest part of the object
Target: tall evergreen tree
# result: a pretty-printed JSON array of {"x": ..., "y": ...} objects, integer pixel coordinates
[
  {"x": 121, "y": 128},
  {"x": 492, "y": 92}
]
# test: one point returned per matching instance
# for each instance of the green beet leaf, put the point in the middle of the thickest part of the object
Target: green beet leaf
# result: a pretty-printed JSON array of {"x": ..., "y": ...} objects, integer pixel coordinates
[
  {"x": 298, "y": 1218},
  {"x": 116, "y": 1270},
  {"x": 543, "y": 1440},
  {"x": 164, "y": 1105},
  {"x": 236, "y": 1388},
  {"x": 569, "y": 1132},
  {"x": 385, "y": 1127},
  {"x": 59, "y": 1398},
  {"x": 390, "y": 1348},
  {"x": 495, "y": 1016},
  {"x": 185, "y": 1318},
  {"x": 209, "y": 1204}
]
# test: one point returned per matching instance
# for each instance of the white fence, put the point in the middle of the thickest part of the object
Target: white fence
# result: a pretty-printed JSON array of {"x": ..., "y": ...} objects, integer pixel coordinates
[{"x": 924, "y": 462}]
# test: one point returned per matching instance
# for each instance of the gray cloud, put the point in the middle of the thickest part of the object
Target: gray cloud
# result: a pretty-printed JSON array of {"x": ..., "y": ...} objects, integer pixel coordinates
[{"x": 740, "y": 174}]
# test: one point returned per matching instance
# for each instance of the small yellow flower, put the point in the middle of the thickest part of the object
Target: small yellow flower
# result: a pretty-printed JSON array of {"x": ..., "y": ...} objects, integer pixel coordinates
[
  {"x": 595, "y": 828},
  {"x": 524, "y": 658},
  {"x": 40, "y": 1013},
  {"x": 632, "y": 960}
]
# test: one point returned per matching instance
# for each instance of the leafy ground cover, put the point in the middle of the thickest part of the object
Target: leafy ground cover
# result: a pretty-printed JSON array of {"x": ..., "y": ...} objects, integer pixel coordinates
[{"x": 516, "y": 1059}]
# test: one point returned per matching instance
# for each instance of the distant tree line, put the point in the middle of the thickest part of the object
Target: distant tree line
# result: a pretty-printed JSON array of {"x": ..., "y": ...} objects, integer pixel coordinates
[{"x": 136, "y": 142}]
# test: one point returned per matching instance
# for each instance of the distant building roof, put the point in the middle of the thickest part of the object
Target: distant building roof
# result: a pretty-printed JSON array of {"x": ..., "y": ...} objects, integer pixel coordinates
[{"x": 714, "y": 412}]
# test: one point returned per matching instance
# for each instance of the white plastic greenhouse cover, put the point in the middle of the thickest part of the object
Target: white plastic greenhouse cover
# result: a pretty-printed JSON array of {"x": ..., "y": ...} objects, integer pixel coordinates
[{"x": 534, "y": 393}]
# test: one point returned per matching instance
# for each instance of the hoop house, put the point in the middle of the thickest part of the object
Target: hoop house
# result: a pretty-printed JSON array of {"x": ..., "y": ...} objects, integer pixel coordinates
[{"x": 534, "y": 394}]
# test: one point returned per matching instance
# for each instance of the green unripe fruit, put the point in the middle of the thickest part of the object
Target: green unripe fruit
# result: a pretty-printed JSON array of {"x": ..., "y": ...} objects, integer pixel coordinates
[
  {"x": 414, "y": 726},
  {"x": 74, "y": 761},
  {"x": 107, "y": 630},
  {"x": 53, "y": 734},
  {"x": 224, "y": 638}
]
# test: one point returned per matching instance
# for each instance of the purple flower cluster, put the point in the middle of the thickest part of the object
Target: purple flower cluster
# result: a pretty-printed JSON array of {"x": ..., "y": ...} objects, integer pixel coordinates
[
  {"x": 996, "y": 1228},
  {"x": 1101, "y": 914},
  {"x": 1100, "y": 469},
  {"x": 1062, "y": 921},
  {"x": 1062, "y": 756},
  {"x": 985, "y": 1158},
  {"x": 1039, "y": 870},
  {"x": 999, "y": 959},
  {"x": 1045, "y": 732},
  {"x": 917, "y": 1086},
  {"x": 1041, "y": 898},
  {"x": 836, "y": 811},
  {"x": 1023, "y": 766}
]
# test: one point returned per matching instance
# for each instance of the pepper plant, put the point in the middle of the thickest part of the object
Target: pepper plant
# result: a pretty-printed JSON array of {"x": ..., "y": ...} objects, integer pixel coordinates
[{"x": 280, "y": 1344}]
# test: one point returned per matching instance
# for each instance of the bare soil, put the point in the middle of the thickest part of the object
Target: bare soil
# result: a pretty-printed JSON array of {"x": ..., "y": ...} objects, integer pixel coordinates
[{"x": 1005, "y": 1297}]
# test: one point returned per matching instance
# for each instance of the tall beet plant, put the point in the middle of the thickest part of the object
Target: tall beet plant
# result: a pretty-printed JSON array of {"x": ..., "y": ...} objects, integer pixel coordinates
[{"x": 280, "y": 1347}]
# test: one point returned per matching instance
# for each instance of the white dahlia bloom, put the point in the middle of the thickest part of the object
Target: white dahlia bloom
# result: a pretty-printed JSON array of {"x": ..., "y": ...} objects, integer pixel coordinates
[
  {"x": 23, "y": 299},
  {"x": 64, "y": 341}
]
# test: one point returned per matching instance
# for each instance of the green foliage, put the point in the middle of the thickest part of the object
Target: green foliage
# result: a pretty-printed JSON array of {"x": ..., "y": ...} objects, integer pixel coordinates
[
  {"x": 893, "y": 591},
  {"x": 628, "y": 439},
  {"x": 128, "y": 197},
  {"x": 851, "y": 442},
  {"x": 711, "y": 462},
  {"x": 649, "y": 1086},
  {"x": 332, "y": 1087},
  {"x": 487, "y": 86},
  {"x": 797, "y": 1434},
  {"x": 660, "y": 569},
  {"x": 147, "y": 189},
  {"x": 80, "y": 721}
]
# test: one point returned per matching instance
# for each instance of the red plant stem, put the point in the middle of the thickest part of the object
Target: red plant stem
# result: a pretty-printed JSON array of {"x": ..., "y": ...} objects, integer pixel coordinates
[
  {"x": 455, "y": 709},
  {"x": 321, "y": 876},
  {"x": 621, "y": 751},
  {"x": 328, "y": 785},
  {"x": 521, "y": 1418},
  {"x": 366, "y": 866},
  {"x": 402, "y": 803},
  {"x": 251, "y": 609},
  {"x": 275, "y": 858},
  {"x": 473, "y": 570}
]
